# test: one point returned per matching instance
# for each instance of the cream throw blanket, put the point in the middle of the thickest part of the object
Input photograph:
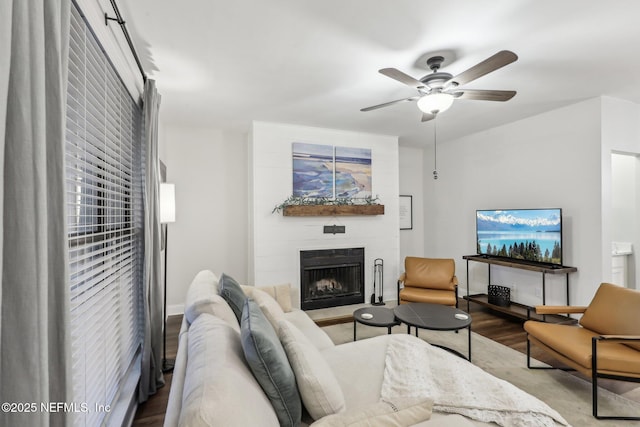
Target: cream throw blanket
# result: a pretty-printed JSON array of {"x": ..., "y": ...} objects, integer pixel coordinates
[{"x": 415, "y": 368}]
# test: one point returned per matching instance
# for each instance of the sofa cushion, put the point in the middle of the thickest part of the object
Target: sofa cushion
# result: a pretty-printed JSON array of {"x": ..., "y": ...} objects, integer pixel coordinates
[
  {"x": 231, "y": 291},
  {"x": 218, "y": 383},
  {"x": 280, "y": 293},
  {"x": 267, "y": 304},
  {"x": 216, "y": 306},
  {"x": 400, "y": 412},
  {"x": 202, "y": 297},
  {"x": 269, "y": 364},
  {"x": 308, "y": 327},
  {"x": 360, "y": 379},
  {"x": 319, "y": 389}
]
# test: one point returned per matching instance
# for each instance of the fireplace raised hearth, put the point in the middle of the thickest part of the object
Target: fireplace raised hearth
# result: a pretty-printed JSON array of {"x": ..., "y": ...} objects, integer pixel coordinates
[{"x": 331, "y": 278}]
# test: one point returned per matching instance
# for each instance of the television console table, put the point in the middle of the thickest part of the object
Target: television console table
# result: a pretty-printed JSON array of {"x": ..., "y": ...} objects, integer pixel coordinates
[{"x": 515, "y": 309}]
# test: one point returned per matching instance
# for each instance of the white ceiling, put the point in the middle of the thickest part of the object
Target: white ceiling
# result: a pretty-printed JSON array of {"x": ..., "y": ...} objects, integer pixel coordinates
[{"x": 224, "y": 63}]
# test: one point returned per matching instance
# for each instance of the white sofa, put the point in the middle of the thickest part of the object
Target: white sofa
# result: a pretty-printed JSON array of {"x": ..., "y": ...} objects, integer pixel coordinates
[{"x": 213, "y": 385}]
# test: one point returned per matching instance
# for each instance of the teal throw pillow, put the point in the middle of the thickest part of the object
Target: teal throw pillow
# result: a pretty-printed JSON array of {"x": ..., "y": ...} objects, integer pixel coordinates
[
  {"x": 268, "y": 362},
  {"x": 233, "y": 294}
]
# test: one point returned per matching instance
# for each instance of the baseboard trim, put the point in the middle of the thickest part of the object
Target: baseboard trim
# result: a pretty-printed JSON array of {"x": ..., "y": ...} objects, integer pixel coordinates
[
  {"x": 175, "y": 309},
  {"x": 334, "y": 320}
]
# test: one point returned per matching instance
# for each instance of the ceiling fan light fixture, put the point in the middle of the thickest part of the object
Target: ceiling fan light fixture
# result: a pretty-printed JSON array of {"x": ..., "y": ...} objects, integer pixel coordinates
[{"x": 435, "y": 103}]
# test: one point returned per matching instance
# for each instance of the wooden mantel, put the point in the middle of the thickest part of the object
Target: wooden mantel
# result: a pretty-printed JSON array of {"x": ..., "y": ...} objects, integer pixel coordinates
[{"x": 332, "y": 210}]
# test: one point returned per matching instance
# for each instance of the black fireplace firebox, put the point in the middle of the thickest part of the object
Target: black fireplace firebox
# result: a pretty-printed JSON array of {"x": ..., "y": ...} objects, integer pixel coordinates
[{"x": 331, "y": 277}]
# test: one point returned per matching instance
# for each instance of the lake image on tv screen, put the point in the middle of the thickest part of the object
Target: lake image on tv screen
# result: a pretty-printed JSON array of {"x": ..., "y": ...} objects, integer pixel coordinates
[{"x": 531, "y": 235}]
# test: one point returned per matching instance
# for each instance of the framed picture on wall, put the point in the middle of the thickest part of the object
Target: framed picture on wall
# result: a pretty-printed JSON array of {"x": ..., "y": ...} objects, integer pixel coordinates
[
  {"x": 406, "y": 212},
  {"x": 353, "y": 172},
  {"x": 313, "y": 170},
  {"x": 326, "y": 171}
]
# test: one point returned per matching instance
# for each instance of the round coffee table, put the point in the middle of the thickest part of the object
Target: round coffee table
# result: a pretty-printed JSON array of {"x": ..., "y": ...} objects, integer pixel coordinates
[
  {"x": 381, "y": 317},
  {"x": 435, "y": 317}
]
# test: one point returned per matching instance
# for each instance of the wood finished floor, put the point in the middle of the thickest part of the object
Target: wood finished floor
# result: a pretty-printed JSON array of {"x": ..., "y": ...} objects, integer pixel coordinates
[
  {"x": 501, "y": 328},
  {"x": 151, "y": 413}
]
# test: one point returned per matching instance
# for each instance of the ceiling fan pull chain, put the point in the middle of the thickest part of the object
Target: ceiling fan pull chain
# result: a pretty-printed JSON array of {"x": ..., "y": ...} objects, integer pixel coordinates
[{"x": 435, "y": 151}]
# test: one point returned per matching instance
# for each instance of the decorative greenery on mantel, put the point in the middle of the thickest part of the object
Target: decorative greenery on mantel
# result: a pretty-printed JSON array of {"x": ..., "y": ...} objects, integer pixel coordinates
[{"x": 318, "y": 206}]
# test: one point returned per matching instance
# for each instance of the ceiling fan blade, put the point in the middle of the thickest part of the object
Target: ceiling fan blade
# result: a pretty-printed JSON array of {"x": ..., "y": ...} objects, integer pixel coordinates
[
  {"x": 386, "y": 104},
  {"x": 485, "y": 95},
  {"x": 401, "y": 77},
  {"x": 499, "y": 60},
  {"x": 428, "y": 116}
]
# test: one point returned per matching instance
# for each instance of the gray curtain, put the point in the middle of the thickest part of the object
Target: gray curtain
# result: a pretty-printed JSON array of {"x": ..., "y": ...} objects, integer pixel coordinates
[
  {"x": 5, "y": 62},
  {"x": 34, "y": 316},
  {"x": 151, "y": 377}
]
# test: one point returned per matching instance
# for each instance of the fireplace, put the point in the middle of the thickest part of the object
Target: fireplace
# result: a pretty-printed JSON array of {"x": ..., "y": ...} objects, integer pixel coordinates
[{"x": 331, "y": 277}]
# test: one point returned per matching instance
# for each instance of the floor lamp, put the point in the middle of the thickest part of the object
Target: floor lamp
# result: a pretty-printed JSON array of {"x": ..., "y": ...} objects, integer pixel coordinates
[{"x": 167, "y": 215}]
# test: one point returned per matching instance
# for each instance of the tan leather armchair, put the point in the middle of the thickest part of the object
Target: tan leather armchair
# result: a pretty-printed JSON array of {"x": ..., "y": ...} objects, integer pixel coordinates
[
  {"x": 604, "y": 344},
  {"x": 430, "y": 280}
]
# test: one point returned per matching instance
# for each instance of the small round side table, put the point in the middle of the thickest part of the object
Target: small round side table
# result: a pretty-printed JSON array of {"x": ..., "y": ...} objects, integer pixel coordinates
[{"x": 381, "y": 317}]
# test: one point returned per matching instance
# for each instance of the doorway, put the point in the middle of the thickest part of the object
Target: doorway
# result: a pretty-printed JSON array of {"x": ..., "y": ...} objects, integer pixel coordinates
[{"x": 625, "y": 229}]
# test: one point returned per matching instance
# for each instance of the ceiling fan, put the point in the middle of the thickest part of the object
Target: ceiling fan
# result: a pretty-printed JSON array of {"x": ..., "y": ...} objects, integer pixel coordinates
[{"x": 438, "y": 90}]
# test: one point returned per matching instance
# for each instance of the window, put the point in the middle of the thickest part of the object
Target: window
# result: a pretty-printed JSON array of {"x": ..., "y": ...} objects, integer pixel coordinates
[{"x": 104, "y": 127}]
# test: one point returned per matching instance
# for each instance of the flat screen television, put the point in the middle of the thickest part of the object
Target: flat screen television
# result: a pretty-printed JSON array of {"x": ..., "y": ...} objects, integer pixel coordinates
[{"x": 530, "y": 235}]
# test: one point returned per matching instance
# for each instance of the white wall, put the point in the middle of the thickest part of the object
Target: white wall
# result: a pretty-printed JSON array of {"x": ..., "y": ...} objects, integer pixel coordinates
[
  {"x": 620, "y": 133},
  {"x": 624, "y": 193},
  {"x": 624, "y": 215},
  {"x": 411, "y": 183},
  {"x": 550, "y": 160},
  {"x": 276, "y": 240},
  {"x": 561, "y": 158},
  {"x": 209, "y": 169}
]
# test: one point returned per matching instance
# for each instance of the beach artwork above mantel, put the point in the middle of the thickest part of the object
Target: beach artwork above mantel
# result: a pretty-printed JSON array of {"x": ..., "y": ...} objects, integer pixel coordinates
[
  {"x": 353, "y": 172},
  {"x": 312, "y": 170},
  {"x": 325, "y": 171}
]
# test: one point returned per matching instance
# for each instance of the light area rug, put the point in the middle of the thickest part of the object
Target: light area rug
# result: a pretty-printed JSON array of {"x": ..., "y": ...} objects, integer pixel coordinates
[{"x": 569, "y": 395}]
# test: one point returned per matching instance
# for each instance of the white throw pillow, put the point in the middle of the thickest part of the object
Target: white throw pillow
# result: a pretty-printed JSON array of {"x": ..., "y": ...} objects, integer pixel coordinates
[
  {"x": 318, "y": 387},
  {"x": 402, "y": 412},
  {"x": 309, "y": 329},
  {"x": 271, "y": 309},
  {"x": 281, "y": 294}
]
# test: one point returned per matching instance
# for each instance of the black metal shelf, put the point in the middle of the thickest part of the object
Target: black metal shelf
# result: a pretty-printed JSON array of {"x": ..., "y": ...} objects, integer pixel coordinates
[{"x": 515, "y": 309}]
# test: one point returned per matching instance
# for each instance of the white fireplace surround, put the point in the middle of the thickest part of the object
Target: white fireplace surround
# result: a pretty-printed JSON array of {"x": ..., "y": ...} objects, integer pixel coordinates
[{"x": 275, "y": 241}]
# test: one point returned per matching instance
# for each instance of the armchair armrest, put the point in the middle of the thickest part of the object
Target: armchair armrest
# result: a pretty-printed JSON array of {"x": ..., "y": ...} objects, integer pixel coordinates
[
  {"x": 559, "y": 309},
  {"x": 402, "y": 277},
  {"x": 455, "y": 280},
  {"x": 618, "y": 338}
]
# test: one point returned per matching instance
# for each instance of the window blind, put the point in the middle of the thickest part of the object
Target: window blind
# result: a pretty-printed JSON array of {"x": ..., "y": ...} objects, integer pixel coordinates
[{"x": 104, "y": 127}]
